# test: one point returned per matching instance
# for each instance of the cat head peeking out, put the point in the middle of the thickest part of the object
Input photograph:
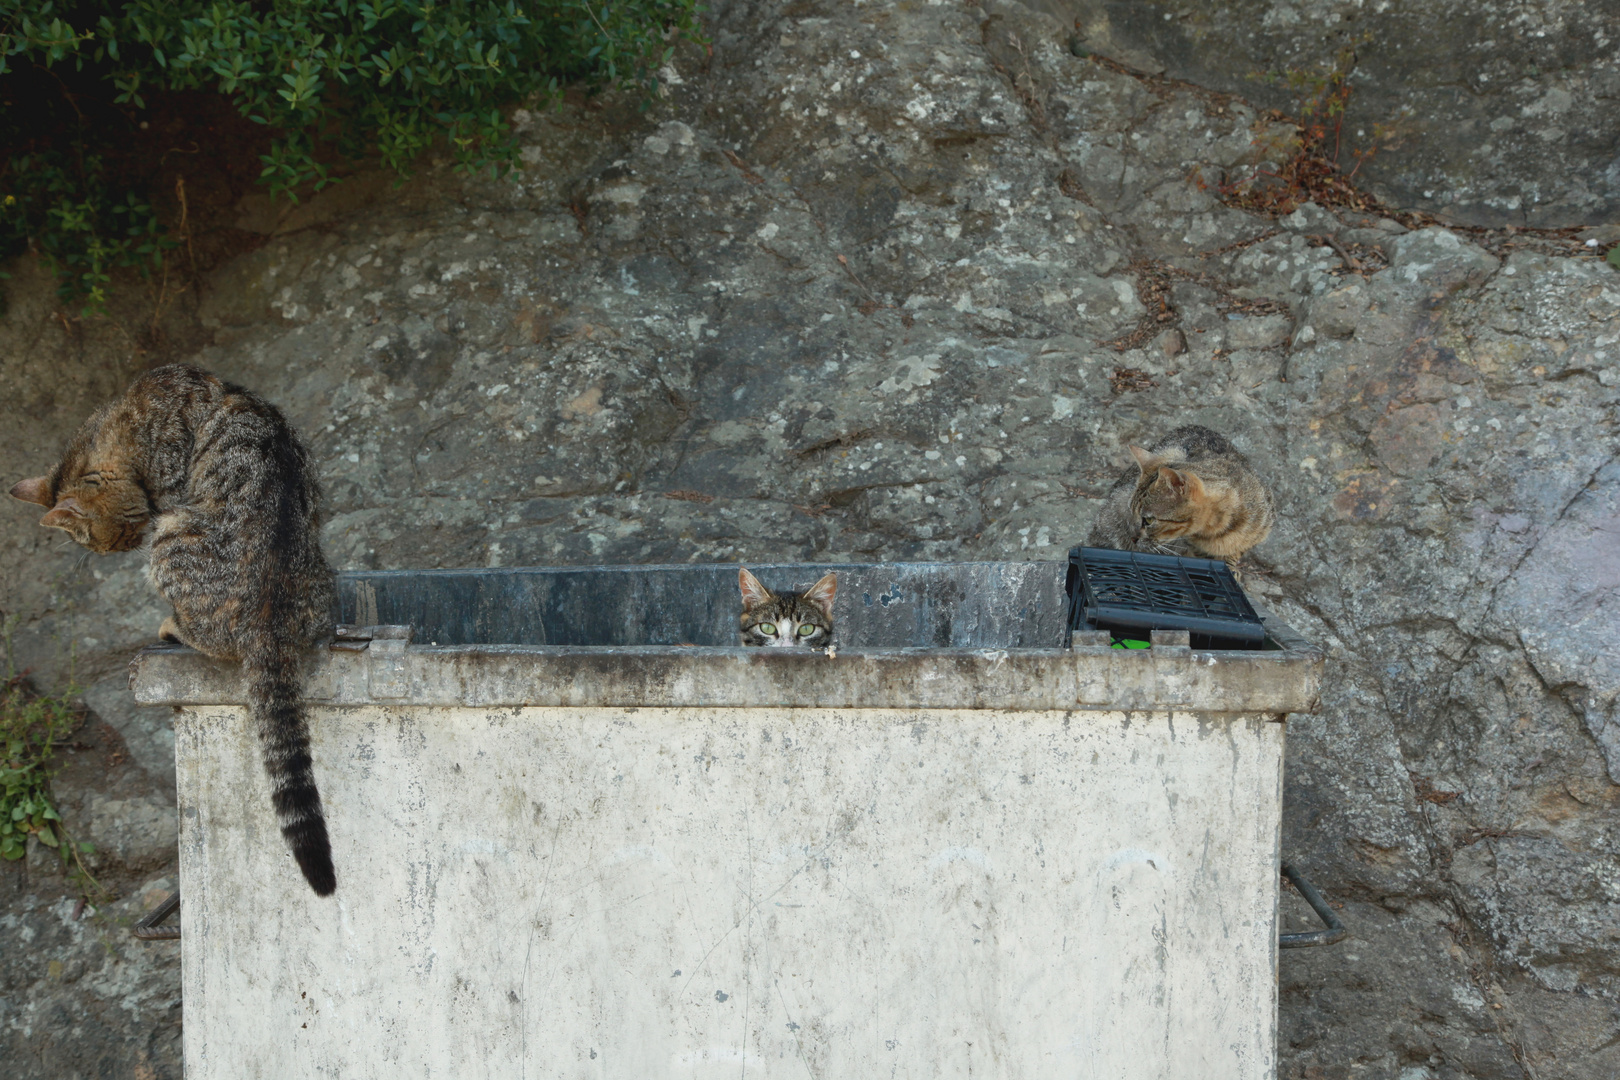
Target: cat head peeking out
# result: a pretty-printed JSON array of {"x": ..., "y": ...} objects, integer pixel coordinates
[
  {"x": 787, "y": 618},
  {"x": 1168, "y": 503}
]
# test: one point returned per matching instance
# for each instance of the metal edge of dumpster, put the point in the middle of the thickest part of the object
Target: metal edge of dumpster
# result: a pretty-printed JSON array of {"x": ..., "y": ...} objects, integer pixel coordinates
[
  {"x": 1335, "y": 931},
  {"x": 151, "y": 927}
]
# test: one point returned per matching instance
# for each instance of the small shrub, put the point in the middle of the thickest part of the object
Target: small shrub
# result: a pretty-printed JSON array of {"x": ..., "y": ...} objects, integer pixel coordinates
[
  {"x": 60, "y": 202},
  {"x": 31, "y": 727},
  {"x": 332, "y": 81},
  {"x": 1313, "y": 167}
]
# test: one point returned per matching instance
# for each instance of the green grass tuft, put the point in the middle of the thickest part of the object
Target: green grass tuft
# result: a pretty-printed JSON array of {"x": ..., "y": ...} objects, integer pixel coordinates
[{"x": 31, "y": 727}]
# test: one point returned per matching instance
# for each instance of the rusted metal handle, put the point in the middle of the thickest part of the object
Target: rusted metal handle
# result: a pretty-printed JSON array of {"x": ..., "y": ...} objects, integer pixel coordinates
[
  {"x": 1335, "y": 931},
  {"x": 149, "y": 928}
]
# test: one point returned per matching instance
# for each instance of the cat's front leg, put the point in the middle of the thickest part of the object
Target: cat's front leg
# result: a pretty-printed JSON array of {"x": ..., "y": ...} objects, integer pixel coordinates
[{"x": 170, "y": 631}]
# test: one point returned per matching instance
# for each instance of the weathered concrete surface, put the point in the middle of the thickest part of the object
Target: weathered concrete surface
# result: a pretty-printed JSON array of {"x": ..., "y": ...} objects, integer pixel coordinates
[
  {"x": 1493, "y": 112},
  {"x": 99, "y": 1003},
  {"x": 1094, "y": 676},
  {"x": 713, "y": 892},
  {"x": 564, "y": 370},
  {"x": 80, "y": 997}
]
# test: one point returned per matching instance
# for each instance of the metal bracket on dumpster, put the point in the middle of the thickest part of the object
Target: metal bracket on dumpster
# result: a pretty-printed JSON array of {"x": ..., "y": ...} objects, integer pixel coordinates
[
  {"x": 348, "y": 638},
  {"x": 1335, "y": 931},
  {"x": 384, "y": 647},
  {"x": 151, "y": 929}
]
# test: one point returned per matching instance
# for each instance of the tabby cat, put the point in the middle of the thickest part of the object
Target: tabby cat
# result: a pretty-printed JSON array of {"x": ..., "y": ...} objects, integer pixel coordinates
[
  {"x": 787, "y": 618},
  {"x": 215, "y": 482},
  {"x": 1191, "y": 493}
]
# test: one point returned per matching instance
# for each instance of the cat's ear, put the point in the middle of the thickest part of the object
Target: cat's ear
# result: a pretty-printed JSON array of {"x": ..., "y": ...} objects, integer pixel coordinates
[
  {"x": 822, "y": 592},
  {"x": 753, "y": 593},
  {"x": 36, "y": 489},
  {"x": 1186, "y": 485},
  {"x": 1176, "y": 481},
  {"x": 1144, "y": 459},
  {"x": 62, "y": 514}
]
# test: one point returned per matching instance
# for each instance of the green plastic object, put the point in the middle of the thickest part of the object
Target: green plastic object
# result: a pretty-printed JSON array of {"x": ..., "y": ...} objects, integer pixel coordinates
[{"x": 1130, "y": 643}]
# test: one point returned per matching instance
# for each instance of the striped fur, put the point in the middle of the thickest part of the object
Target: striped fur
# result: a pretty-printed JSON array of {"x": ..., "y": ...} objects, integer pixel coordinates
[
  {"x": 1190, "y": 493},
  {"x": 212, "y": 478}
]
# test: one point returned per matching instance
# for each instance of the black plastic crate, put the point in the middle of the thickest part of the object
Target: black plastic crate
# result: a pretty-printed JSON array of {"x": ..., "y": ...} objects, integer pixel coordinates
[{"x": 1131, "y": 594}]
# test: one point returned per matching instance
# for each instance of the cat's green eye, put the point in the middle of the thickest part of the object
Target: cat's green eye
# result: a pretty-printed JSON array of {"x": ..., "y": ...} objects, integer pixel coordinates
[
  {"x": 806, "y": 630},
  {"x": 767, "y": 628}
]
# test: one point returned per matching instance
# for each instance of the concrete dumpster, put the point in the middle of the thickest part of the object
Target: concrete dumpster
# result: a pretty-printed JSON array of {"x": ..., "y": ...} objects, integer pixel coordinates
[{"x": 578, "y": 833}]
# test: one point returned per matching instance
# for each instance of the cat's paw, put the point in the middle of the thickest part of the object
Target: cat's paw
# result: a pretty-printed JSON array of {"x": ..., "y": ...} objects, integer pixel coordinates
[
  {"x": 170, "y": 631},
  {"x": 1244, "y": 570}
]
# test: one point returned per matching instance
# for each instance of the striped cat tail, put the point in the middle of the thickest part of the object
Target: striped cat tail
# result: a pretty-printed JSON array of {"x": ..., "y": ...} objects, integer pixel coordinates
[{"x": 273, "y": 690}]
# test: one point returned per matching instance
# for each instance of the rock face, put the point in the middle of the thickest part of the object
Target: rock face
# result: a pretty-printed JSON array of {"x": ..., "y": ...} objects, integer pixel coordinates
[
  {"x": 901, "y": 281},
  {"x": 80, "y": 996},
  {"x": 1490, "y": 113}
]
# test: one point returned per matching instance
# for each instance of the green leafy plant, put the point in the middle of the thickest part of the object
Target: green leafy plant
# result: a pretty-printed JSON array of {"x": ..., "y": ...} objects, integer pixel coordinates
[
  {"x": 333, "y": 82},
  {"x": 63, "y": 204},
  {"x": 31, "y": 727}
]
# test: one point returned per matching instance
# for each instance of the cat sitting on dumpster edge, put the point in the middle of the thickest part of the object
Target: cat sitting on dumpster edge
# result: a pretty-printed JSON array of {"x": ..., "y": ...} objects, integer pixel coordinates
[
  {"x": 214, "y": 481},
  {"x": 787, "y": 618},
  {"x": 1192, "y": 493}
]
